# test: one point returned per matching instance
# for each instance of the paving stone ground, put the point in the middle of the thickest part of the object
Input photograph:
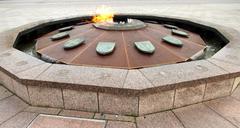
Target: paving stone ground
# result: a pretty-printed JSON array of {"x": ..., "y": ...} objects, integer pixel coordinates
[
  {"x": 220, "y": 113},
  {"x": 16, "y": 13}
]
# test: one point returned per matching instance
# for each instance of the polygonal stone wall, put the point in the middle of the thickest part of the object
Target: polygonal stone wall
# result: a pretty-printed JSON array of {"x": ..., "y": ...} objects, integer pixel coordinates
[{"x": 119, "y": 91}]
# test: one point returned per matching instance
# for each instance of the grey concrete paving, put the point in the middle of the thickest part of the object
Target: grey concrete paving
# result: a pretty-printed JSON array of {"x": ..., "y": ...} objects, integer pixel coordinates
[
  {"x": 21, "y": 120},
  {"x": 4, "y": 93},
  {"x": 118, "y": 1},
  {"x": 200, "y": 116},
  {"x": 10, "y": 107},
  {"x": 15, "y": 13}
]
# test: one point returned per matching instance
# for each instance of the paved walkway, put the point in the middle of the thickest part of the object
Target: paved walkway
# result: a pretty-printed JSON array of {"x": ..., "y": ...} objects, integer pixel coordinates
[
  {"x": 220, "y": 113},
  {"x": 15, "y": 13}
]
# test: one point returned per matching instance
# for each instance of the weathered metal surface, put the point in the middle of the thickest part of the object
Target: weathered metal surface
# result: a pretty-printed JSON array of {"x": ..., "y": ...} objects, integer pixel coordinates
[
  {"x": 125, "y": 54},
  {"x": 163, "y": 31},
  {"x": 131, "y": 25},
  {"x": 145, "y": 47}
]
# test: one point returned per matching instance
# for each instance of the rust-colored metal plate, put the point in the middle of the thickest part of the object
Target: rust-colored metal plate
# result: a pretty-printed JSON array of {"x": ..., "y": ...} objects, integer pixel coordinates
[{"x": 125, "y": 54}]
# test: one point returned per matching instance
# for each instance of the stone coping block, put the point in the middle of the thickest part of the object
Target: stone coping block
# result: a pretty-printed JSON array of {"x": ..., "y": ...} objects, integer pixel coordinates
[
  {"x": 232, "y": 69},
  {"x": 14, "y": 61},
  {"x": 230, "y": 54},
  {"x": 101, "y": 77},
  {"x": 191, "y": 72},
  {"x": 44, "y": 83}
]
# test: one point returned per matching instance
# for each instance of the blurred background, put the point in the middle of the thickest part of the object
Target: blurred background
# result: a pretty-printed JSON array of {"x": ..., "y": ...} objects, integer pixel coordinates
[{"x": 15, "y": 13}]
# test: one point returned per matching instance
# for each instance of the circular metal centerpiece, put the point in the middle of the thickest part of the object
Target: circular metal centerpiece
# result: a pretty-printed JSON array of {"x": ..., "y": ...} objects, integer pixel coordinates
[
  {"x": 153, "y": 44},
  {"x": 131, "y": 24}
]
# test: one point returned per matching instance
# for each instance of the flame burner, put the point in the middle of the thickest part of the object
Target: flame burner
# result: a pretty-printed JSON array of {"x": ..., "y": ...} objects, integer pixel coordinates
[
  {"x": 120, "y": 19},
  {"x": 121, "y": 24}
]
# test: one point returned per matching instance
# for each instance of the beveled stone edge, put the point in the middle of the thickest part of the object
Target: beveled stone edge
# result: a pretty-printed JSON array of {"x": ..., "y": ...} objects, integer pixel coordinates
[
  {"x": 232, "y": 74},
  {"x": 13, "y": 73},
  {"x": 107, "y": 89},
  {"x": 137, "y": 114},
  {"x": 7, "y": 34}
]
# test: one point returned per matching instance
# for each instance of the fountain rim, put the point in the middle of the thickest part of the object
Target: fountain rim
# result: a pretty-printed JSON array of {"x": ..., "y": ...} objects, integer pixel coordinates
[{"x": 120, "y": 86}]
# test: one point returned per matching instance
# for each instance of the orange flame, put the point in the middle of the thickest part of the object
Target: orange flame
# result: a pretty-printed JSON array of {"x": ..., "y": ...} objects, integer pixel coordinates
[{"x": 103, "y": 14}]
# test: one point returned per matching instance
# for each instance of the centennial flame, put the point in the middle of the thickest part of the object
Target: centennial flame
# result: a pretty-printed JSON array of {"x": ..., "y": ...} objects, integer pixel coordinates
[{"x": 103, "y": 14}]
